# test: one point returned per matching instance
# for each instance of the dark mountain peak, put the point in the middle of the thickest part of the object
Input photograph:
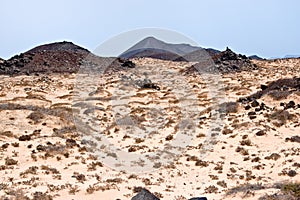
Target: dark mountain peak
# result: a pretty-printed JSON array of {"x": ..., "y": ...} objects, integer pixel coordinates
[
  {"x": 58, "y": 57},
  {"x": 59, "y": 46},
  {"x": 151, "y": 38},
  {"x": 149, "y": 42},
  {"x": 255, "y": 57},
  {"x": 155, "y": 48}
]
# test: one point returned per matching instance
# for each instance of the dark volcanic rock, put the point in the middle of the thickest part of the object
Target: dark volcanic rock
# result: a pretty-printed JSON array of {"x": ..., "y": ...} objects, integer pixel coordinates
[
  {"x": 279, "y": 89},
  {"x": 147, "y": 84},
  {"x": 59, "y": 46},
  {"x": 145, "y": 195},
  {"x": 291, "y": 104},
  {"x": 254, "y": 103},
  {"x": 263, "y": 87},
  {"x": 223, "y": 62},
  {"x": 59, "y": 57},
  {"x": 126, "y": 63},
  {"x": 261, "y": 133},
  {"x": 227, "y": 61},
  {"x": 292, "y": 173},
  {"x": 293, "y": 139},
  {"x": 25, "y": 138}
]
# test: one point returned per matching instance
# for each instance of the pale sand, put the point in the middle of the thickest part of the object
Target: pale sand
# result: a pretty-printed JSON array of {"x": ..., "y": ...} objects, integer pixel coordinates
[{"x": 54, "y": 99}]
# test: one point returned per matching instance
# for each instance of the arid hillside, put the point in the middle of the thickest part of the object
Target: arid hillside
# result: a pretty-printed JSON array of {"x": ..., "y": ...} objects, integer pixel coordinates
[{"x": 148, "y": 123}]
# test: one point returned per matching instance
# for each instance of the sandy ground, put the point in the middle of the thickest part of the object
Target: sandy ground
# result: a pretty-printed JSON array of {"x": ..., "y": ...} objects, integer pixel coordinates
[{"x": 169, "y": 140}]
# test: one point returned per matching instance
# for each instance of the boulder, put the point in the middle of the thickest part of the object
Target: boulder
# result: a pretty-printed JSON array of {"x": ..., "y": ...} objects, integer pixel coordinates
[
  {"x": 145, "y": 194},
  {"x": 291, "y": 104}
]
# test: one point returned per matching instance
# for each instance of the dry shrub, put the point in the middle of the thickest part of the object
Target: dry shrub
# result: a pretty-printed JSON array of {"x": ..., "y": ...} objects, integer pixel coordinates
[
  {"x": 279, "y": 95},
  {"x": 36, "y": 116},
  {"x": 280, "y": 117},
  {"x": 7, "y": 134},
  {"x": 229, "y": 107}
]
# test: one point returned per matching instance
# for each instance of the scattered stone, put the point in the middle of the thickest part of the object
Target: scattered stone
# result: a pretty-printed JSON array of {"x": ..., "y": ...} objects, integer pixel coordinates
[
  {"x": 273, "y": 156},
  {"x": 292, "y": 173},
  {"x": 40, "y": 147},
  {"x": 258, "y": 109},
  {"x": 293, "y": 139},
  {"x": 25, "y": 138},
  {"x": 254, "y": 103},
  {"x": 291, "y": 104},
  {"x": 247, "y": 107},
  {"x": 147, "y": 84},
  {"x": 261, "y": 133},
  {"x": 251, "y": 113},
  {"x": 151, "y": 86}
]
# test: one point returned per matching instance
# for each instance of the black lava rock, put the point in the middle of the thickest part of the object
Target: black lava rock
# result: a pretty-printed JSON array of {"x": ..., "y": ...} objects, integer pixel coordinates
[
  {"x": 263, "y": 87},
  {"x": 247, "y": 107},
  {"x": 144, "y": 194},
  {"x": 128, "y": 64},
  {"x": 254, "y": 103},
  {"x": 292, "y": 173},
  {"x": 260, "y": 133},
  {"x": 151, "y": 86},
  {"x": 25, "y": 138},
  {"x": 251, "y": 113},
  {"x": 291, "y": 104},
  {"x": 295, "y": 138}
]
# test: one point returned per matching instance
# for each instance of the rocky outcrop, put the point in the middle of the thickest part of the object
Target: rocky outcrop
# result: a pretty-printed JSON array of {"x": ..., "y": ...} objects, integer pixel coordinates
[
  {"x": 223, "y": 62},
  {"x": 227, "y": 61}
]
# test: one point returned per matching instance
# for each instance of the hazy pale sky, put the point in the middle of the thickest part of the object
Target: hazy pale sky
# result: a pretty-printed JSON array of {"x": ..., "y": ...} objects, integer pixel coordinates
[{"x": 268, "y": 28}]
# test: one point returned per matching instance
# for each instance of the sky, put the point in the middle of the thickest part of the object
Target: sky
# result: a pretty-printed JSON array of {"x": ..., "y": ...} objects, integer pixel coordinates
[{"x": 268, "y": 28}]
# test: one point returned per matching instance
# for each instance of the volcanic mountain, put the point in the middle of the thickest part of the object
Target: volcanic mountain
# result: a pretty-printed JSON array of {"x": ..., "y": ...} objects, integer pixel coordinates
[
  {"x": 54, "y": 57},
  {"x": 58, "y": 57},
  {"x": 255, "y": 57},
  {"x": 154, "y": 48},
  {"x": 66, "y": 57},
  {"x": 225, "y": 61}
]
